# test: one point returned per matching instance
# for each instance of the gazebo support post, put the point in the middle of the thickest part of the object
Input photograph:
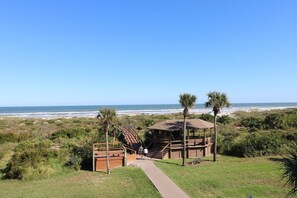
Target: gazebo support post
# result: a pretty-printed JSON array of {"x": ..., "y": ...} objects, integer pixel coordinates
[
  {"x": 204, "y": 136},
  {"x": 170, "y": 141}
]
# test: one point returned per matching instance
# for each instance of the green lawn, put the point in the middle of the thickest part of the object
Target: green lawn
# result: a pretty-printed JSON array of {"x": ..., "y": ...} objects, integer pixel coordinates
[
  {"x": 122, "y": 182},
  {"x": 229, "y": 177}
]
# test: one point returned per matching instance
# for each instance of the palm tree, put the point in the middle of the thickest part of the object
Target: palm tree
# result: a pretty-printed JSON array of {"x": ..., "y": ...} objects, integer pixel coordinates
[
  {"x": 187, "y": 101},
  {"x": 290, "y": 169},
  {"x": 106, "y": 117},
  {"x": 217, "y": 101}
]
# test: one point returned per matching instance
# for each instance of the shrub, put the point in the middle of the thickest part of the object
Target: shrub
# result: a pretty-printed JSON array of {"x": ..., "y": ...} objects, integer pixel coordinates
[
  {"x": 225, "y": 119},
  {"x": 289, "y": 166},
  {"x": 148, "y": 123},
  {"x": 275, "y": 121},
  {"x": 207, "y": 117},
  {"x": 81, "y": 157},
  {"x": 13, "y": 137},
  {"x": 226, "y": 140},
  {"x": 291, "y": 119},
  {"x": 252, "y": 123},
  {"x": 258, "y": 144},
  {"x": 75, "y": 162},
  {"x": 32, "y": 160},
  {"x": 70, "y": 133}
]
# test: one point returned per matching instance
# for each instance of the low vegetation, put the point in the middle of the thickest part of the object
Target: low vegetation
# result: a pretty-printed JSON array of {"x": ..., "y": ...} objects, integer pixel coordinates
[
  {"x": 228, "y": 177},
  {"x": 34, "y": 149},
  {"x": 123, "y": 182}
]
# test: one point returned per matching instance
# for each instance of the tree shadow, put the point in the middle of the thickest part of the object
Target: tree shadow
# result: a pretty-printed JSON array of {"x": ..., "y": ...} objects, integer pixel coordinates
[
  {"x": 275, "y": 159},
  {"x": 170, "y": 163}
]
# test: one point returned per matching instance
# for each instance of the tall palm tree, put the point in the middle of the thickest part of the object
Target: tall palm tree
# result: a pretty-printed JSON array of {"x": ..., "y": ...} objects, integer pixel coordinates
[
  {"x": 107, "y": 117},
  {"x": 217, "y": 101},
  {"x": 187, "y": 101},
  {"x": 290, "y": 169}
]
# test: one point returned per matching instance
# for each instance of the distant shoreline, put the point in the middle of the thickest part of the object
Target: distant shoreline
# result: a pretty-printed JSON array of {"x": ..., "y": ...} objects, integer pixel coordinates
[{"x": 47, "y": 112}]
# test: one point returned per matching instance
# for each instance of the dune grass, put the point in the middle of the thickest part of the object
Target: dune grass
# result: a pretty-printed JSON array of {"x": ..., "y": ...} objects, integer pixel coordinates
[
  {"x": 122, "y": 182},
  {"x": 229, "y": 177}
]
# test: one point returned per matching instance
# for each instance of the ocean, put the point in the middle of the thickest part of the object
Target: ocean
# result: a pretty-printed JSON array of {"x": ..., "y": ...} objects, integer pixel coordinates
[{"x": 92, "y": 110}]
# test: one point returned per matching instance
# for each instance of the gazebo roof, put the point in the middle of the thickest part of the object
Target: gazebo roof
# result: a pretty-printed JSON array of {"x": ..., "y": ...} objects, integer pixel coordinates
[{"x": 176, "y": 125}]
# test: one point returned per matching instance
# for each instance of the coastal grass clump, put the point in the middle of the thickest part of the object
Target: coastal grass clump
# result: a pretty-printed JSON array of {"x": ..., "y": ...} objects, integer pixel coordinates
[
  {"x": 34, "y": 161},
  {"x": 70, "y": 133}
]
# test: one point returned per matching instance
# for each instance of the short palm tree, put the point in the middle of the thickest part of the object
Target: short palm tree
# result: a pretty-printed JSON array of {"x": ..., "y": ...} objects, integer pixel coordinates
[
  {"x": 217, "y": 101},
  {"x": 290, "y": 169},
  {"x": 106, "y": 117},
  {"x": 187, "y": 101}
]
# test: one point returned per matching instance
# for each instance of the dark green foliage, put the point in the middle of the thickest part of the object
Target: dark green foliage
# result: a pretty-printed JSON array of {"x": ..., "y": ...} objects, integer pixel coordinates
[
  {"x": 291, "y": 119},
  {"x": 290, "y": 168},
  {"x": 226, "y": 140},
  {"x": 75, "y": 162},
  {"x": 148, "y": 123},
  {"x": 252, "y": 123},
  {"x": 290, "y": 136},
  {"x": 13, "y": 137},
  {"x": 83, "y": 155},
  {"x": 271, "y": 121},
  {"x": 31, "y": 160},
  {"x": 225, "y": 119},
  {"x": 258, "y": 144},
  {"x": 70, "y": 133},
  {"x": 275, "y": 121},
  {"x": 207, "y": 117}
]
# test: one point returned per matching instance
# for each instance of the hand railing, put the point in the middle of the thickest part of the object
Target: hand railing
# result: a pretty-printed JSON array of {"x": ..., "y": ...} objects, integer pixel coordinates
[{"x": 164, "y": 149}]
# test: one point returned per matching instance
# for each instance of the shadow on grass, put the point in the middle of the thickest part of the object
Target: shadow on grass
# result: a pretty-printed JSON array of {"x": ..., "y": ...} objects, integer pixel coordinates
[
  {"x": 171, "y": 163},
  {"x": 275, "y": 159}
]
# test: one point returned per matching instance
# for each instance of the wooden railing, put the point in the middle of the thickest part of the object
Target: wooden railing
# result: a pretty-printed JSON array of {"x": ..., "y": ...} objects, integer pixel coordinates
[
  {"x": 190, "y": 142},
  {"x": 162, "y": 151}
]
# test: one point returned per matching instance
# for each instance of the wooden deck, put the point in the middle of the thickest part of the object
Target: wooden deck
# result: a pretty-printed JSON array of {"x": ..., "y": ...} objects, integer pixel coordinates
[
  {"x": 118, "y": 157},
  {"x": 174, "y": 149}
]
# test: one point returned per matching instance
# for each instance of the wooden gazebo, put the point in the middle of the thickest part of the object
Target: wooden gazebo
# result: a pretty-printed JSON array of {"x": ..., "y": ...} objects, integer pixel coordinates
[{"x": 167, "y": 139}]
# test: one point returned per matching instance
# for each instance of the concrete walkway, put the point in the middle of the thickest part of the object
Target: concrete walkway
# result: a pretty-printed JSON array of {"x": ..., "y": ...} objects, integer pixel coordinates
[{"x": 166, "y": 187}]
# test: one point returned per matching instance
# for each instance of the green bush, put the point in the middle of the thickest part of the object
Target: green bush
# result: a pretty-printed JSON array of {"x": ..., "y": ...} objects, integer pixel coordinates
[
  {"x": 81, "y": 157},
  {"x": 226, "y": 140},
  {"x": 275, "y": 121},
  {"x": 252, "y": 123},
  {"x": 75, "y": 162},
  {"x": 13, "y": 137},
  {"x": 207, "y": 117},
  {"x": 70, "y": 133},
  {"x": 31, "y": 161},
  {"x": 291, "y": 119},
  {"x": 258, "y": 144},
  {"x": 225, "y": 119}
]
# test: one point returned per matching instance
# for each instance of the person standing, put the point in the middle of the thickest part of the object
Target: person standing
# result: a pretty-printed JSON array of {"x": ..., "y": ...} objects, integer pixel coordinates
[
  {"x": 140, "y": 151},
  {"x": 145, "y": 151}
]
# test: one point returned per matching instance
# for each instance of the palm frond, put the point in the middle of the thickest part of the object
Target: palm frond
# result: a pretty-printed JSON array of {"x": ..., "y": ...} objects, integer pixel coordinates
[
  {"x": 290, "y": 168},
  {"x": 217, "y": 101}
]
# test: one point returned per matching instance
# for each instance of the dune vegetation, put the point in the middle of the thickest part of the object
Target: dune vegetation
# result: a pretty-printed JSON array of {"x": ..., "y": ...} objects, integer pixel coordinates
[{"x": 43, "y": 149}]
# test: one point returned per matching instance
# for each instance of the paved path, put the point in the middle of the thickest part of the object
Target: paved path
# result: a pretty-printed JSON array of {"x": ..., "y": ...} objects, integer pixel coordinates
[{"x": 166, "y": 187}]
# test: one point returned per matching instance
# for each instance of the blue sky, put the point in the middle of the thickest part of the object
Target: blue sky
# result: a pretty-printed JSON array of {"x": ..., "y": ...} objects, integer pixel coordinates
[{"x": 146, "y": 52}]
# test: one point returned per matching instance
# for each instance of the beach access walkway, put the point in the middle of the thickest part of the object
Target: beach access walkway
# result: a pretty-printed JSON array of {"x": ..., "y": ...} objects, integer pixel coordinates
[{"x": 166, "y": 187}]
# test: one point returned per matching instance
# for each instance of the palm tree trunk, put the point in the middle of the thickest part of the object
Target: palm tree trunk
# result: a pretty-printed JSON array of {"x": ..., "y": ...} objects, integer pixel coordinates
[
  {"x": 215, "y": 139},
  {"x": 184, "y": 147},
  {"x": 107, "y": 151}
]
